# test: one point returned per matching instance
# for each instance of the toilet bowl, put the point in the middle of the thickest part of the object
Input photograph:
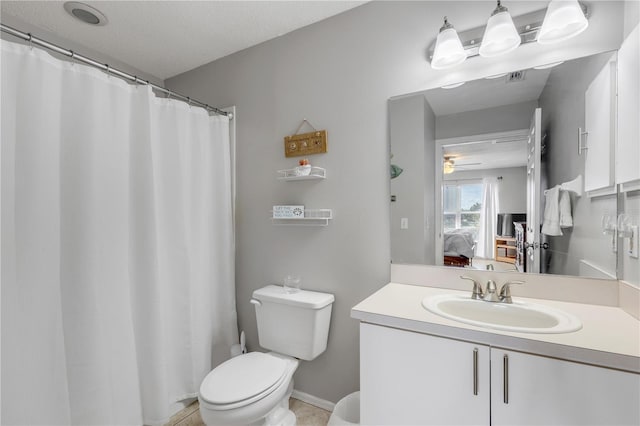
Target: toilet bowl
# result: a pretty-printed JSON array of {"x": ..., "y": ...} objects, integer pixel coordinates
[
  {"x": 254, "y": 389},
  {"x": 251, "y": 389}
]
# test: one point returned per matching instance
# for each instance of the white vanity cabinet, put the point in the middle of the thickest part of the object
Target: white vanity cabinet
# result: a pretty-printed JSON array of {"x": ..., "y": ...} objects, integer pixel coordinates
[
  {"x": 546, "y": 391},
  {"x": 409, "y": 378},
  {"x": 412, "y": 378}
]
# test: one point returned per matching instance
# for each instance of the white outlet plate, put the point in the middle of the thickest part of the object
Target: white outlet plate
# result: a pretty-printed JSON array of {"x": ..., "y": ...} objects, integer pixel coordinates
[
  {"x": 633, "y": 242},
  {"x": 404, "y": 223}
]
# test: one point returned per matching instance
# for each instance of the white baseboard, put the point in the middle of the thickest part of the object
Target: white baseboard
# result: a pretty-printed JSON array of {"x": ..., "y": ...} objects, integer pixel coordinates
[{"x": 313, "y": 400}]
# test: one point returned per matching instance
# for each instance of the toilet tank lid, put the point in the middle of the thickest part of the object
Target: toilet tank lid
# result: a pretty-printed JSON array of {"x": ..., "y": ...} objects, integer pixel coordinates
[{"x": 303, "y": 298}]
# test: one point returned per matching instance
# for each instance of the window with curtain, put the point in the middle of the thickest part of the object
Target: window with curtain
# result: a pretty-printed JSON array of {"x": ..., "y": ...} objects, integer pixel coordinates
[{"x": 462, "y": 206}]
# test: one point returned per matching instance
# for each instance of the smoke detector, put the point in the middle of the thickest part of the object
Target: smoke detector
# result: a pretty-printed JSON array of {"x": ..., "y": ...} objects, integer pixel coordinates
[{"x": 85, "y": 13}]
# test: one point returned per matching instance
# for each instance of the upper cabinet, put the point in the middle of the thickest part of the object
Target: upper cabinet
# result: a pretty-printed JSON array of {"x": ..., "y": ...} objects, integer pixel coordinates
[
  {"x": 599, "y": 135},
  {"x": 628, "y": 146}
]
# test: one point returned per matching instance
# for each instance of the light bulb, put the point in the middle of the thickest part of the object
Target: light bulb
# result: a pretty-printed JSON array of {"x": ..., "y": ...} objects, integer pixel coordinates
[
  {"x": 500, "y": 36},
  {"x": 564, "y": 19},
  {"x": 448, "y": 51}
]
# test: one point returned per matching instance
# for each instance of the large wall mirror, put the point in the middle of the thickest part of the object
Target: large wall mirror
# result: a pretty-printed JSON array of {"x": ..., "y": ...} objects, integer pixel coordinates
[{"x": 493, "y": 174}]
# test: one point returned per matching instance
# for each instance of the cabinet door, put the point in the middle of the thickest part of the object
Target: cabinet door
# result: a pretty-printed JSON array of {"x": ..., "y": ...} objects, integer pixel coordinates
[
  {"x": 627, "y": 169},
  {"x": 546, "y": 391},
  {"x": 409, "y": 378},
  {"x": 599, "y": 119}
]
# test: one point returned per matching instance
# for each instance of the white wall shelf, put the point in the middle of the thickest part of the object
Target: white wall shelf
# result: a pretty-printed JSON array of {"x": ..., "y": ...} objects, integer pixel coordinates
[
  {"x": 312, "y": 217},
  {"x": 293, "y": 174}
]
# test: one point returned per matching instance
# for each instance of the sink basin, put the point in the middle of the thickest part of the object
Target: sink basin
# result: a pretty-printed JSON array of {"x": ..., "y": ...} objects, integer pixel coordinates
[{"x": 521, "y": 317}]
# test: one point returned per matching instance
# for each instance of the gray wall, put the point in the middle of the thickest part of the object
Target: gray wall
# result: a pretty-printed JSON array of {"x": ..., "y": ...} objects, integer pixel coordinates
[
  {"x": 338, "y": 74},
  {"x": 562, "y": 103},
  {"x": 429, "y": 184},
  {"x": 406, "y": 119},
  {"x": 411, "y": 125},
  {"x": 630, "y": 267},
  {"x": 631, "y": 16}
]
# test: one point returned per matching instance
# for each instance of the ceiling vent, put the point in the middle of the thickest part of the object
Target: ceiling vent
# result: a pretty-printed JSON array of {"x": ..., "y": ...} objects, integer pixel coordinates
[
  {"x": 515, "y": 76},
  {"x": 85, "y": 13}
]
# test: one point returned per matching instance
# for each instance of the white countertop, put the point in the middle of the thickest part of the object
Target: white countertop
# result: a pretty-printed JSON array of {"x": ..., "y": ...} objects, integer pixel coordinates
[{"x": 609, "y": 337}]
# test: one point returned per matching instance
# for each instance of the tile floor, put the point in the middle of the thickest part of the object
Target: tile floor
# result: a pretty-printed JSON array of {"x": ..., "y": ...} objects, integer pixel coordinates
[{"x": 306, "y": 415}]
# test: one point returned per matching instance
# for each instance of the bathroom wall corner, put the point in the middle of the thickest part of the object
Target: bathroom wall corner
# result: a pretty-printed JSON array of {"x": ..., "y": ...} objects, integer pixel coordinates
[{"x": 629, "y": 299}]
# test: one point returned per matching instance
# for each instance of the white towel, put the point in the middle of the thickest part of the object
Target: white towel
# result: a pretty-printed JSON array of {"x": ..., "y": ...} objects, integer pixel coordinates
[
  {"x": 566, "y": 220},
  {"x": 551, "y": 217}
]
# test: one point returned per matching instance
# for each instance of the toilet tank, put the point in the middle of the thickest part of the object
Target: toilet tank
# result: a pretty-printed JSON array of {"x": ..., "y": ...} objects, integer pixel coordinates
[{"x": 294, "y": 324}]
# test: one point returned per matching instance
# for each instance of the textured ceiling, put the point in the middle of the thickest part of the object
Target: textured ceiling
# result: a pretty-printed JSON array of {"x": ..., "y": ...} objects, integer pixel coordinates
[{"x": 166, "y": 38}]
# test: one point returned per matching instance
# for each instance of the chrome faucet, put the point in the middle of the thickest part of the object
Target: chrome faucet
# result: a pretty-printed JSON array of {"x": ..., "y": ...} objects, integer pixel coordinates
[
  {"x": 505, "y": 291},
  {"x": 492, "y": 294},
  {"x": 477, "y": 292}
]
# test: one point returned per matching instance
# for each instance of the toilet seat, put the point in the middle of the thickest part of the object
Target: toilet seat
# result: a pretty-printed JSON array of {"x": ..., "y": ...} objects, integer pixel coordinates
[{"x": 243, "y": 380}]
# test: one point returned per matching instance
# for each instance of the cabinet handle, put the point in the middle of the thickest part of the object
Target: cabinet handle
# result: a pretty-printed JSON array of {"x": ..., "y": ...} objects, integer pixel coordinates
[
  {"x": 475, "y": 371},
  {"x": 580, "y": 146},
  {"x": 505, "y": 379}
]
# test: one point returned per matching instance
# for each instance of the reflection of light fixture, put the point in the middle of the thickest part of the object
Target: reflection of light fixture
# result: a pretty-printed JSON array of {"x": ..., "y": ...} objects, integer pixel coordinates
[
  {"x": 492, "y": 77},
  {"x": 500, "y": 36},
  {"x": 448, "y": 51},
  {"x": 564, "y": 19},
  {"x": 447, "y": 166},
  {"x": 453, "y": 86}
]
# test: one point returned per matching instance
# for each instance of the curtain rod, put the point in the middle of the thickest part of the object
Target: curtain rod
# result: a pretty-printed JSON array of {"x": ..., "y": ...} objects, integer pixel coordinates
[{"x": 106, "y": 68}]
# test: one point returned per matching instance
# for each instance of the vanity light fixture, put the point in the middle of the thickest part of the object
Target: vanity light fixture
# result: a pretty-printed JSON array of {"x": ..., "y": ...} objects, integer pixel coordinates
[
  {"x": 561, "y": 20},
  {"x": 564, "y": 19},
  {"x": 500, "y": 35},
  {"x": 448, "y": 51}
]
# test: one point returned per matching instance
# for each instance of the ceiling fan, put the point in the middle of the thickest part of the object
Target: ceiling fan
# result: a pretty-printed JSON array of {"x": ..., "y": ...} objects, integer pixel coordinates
[{"x": 449, "y": 165}]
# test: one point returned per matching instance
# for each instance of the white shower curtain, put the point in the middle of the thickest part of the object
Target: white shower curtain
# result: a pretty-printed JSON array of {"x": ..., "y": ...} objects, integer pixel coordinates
[
  {"x": 118, "y": 291},
  {"x": 488, "y": 219}
]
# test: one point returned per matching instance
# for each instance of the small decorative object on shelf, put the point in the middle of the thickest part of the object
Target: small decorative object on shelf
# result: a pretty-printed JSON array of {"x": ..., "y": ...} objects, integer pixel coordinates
[
  {"x": 288, "y": 212},
  {"x": 304, "y": 169},
  {"x": 312, "y": 217}
]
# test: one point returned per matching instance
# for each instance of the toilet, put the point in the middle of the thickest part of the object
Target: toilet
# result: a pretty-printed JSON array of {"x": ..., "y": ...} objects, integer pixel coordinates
[{"x": 254, "y": 388}]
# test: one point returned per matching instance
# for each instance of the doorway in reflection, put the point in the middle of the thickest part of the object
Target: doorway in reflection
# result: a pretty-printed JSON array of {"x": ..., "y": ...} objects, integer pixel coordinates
[{"x": 483, "y": 196}]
